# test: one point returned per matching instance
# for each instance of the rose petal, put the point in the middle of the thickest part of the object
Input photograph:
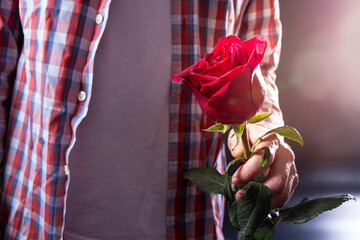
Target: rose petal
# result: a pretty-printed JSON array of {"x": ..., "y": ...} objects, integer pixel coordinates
[
  {"x": 218, "y": 69},
  {"x": 235, "y": 40},
  {"x": 202, "y": 100},
  {"x": 176, "y": 78},
  {"x": 201, "y": 78},
  {"x": 185, "y": 76},
  {"x": 219, "y": 58},
  {"x": 233, "y": 104},
  {"x": 222, "y": 81},
  {"x": 239, "y": 55},
  {"x": 204, "y": 63},
  {"x": 256, "y": 46},
  {"x": 231, "y": 39},
  {"x": 185, "y": 73},
  {"x": 212, "y": 87},
  {"x": 222, "y": 41}
]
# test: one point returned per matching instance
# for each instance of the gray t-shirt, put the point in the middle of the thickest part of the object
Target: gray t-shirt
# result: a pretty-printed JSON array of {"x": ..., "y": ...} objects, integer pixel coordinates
[{"x": 118, "y": 166}]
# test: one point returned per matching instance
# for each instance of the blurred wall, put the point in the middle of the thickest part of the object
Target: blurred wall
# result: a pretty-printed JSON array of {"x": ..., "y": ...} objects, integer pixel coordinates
[{"x": 319, "y": 83}]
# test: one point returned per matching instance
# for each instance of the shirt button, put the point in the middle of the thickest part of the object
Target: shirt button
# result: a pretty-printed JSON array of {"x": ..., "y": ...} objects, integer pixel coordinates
[
  {"x": 66, "y": 170},
  {"x": 81, "y": 96},
  {"x": 99, "y": 18}
]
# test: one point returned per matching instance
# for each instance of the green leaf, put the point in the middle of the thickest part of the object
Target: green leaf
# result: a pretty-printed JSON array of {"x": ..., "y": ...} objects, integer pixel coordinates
[
  {"x": 240, "y": 158},
  {"x": 218, "y": 128},
  {"x": 309, "y": 208},
  {"x": 260, "y": 179},
  {"x": 266, "y": 157},
  {"x": 288, "y": 132},
  {"x": 209, "y": 180},
  {"x": 266, "y": 231},
  {"x": 252, "y": 209},
  {"x": 229, "y": 195},
  {"x": 232, "y": 211},
  {"x": 258, "y": 118},
  {"x": 238, "y": 130},
  {"x": 228, "y": 191}
]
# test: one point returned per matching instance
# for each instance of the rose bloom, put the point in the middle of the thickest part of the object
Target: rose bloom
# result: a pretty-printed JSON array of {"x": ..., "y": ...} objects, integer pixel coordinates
[{"x": 224, "y": 81}]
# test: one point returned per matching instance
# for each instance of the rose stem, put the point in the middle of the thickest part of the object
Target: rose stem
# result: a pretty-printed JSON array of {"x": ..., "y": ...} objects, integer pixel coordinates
[{"x": 245, "y": 142}]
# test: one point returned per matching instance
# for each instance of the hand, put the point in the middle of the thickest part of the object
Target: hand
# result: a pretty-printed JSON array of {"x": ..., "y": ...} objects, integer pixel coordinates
[{"x": 280, "y": 172}]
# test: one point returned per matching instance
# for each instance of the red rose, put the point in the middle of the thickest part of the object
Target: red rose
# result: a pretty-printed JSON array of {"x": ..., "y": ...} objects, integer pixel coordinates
[{"x": 223, "y": 81}]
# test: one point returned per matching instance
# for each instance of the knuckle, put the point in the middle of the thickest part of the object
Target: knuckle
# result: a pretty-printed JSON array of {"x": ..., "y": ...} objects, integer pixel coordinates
[
  {"x": 270, "y": 141},
  {"x": 296, "y": 179},
  {"x": 293, "y": 167},
  {"x": 288, "y": 153},
  {"x": 291, "y": 155},
  {"x": 272, "y": 156}
]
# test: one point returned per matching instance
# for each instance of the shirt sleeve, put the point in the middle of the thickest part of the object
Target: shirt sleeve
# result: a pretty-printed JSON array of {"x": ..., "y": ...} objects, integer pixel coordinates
[
  {"x": 263, "y": 17},
  {"x": 10, "y": 43}
]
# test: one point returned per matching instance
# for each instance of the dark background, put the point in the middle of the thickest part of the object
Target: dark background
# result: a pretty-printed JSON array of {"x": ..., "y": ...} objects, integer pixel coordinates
[{"x": 319, "y": 82}]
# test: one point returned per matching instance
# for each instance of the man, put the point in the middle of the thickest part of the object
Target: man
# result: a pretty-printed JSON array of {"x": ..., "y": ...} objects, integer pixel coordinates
[{"x": 127, "y": 157}]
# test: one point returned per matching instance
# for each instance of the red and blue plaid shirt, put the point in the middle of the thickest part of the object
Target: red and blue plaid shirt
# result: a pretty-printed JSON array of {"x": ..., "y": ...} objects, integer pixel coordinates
[{"x": 47, "y": 51}]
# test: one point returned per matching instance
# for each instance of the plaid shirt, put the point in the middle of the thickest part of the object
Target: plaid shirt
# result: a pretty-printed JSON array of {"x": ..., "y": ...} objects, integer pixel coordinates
[{"x": 46, "y": 67}]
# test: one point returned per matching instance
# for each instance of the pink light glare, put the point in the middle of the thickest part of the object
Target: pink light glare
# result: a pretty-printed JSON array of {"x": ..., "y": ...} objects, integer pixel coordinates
[
  {"x": 319, "y": 75},
  {"x": 328, "y": 64}
]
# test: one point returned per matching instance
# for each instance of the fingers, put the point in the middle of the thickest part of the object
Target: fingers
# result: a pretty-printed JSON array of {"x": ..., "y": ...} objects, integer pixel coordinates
[
  {"x": 253, "y": 131},
  {"x": 280, "y": 171},
  {"x": 282, "y": 177},
  {"x": 280, "y": 199},
  {"x": 239, "y": 193},
  {"x": 252, "y": 168}
]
